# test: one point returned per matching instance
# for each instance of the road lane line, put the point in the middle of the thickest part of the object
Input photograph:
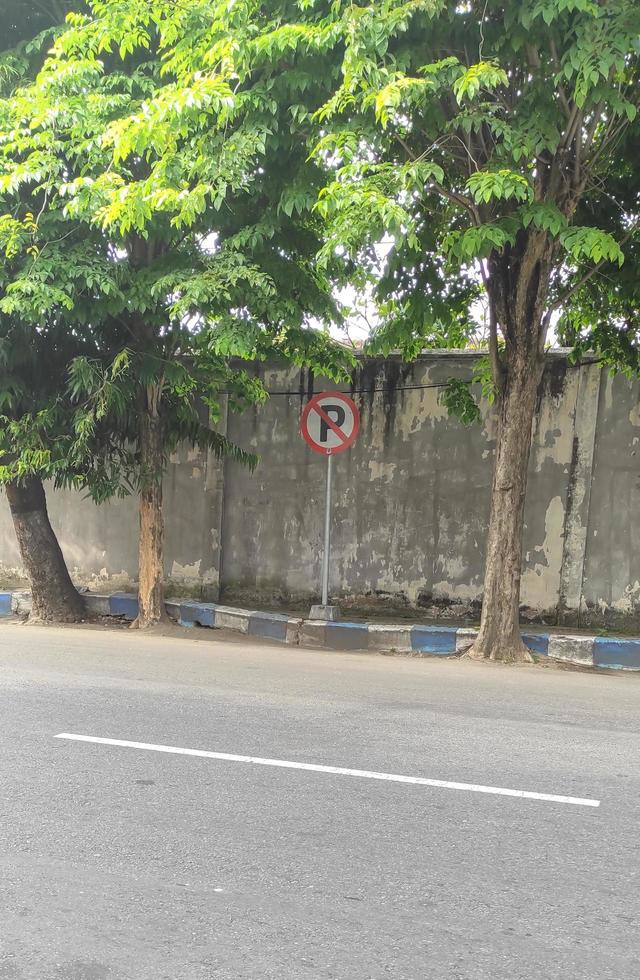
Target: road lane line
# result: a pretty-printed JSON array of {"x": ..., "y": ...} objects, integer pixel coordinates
[{"x": 332, "y": 770}]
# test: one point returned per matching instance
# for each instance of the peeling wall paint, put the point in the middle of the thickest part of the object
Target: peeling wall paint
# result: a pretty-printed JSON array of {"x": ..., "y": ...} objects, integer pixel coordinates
[
  {"x": 412, "y": 496},
  {"x": 612, "y": 542},
  {"x": 100, "y": 543},
  {"x": 542, "y": 574},
  {"x": 411, "y": 502},
  {"x": 188, "y": 573}
]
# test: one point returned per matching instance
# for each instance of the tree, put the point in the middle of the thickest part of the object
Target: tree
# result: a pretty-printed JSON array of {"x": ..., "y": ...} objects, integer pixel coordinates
[
  {"x": 472, "y": 134},
  {"x": 166, "y": 133},
  {"x": 31, "y": 369},
  {"x": 33, "y": 362}
]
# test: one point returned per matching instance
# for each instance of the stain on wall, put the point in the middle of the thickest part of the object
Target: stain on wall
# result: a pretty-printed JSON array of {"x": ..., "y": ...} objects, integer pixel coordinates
[
  {"x": 611, "y": 593},
  {"x": 100, "y": 543},
  {"x": 411, "y": 502}
]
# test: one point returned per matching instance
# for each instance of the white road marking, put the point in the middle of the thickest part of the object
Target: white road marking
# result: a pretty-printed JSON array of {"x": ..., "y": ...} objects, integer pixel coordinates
[{"x": 333, "y": 770}]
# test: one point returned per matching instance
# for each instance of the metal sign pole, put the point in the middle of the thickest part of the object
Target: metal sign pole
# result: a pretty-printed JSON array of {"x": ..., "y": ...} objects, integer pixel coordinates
[
  {"x": 327, "y": 532},
  {"x": 329, "y": 425}
]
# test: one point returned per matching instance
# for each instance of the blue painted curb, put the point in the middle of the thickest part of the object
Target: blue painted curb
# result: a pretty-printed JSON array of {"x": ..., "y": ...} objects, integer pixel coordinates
[
  {"x": 433, "y": 639},
  {"x": 613, "y": 653},
  {"x": 197, "y": 614},
  {"x": 123, "y": 604},
  {"x": 536, "y": 642}
]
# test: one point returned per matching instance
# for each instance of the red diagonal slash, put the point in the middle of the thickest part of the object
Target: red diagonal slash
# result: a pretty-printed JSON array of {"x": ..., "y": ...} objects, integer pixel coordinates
[{"x": 332, "y": 425}]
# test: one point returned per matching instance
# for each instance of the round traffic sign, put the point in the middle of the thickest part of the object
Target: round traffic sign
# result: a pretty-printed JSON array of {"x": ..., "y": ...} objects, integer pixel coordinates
[{"x": 330, "y": 423}]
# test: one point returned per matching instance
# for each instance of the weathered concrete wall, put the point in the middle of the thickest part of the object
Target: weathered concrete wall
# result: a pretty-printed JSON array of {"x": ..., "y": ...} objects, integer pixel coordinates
[
  {"x": 411, "y": 502},
  {"x": 100, "y": 543},
  {"x": 611, "y": 575},
  {"x": 412, "y": 495}
]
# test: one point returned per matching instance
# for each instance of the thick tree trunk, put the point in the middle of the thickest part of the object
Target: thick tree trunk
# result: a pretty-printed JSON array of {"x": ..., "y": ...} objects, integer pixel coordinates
[
  {"x": 499, "y": 636},
  {"x": 55, "y": 599},
  {"x": 151, "y": 608}
]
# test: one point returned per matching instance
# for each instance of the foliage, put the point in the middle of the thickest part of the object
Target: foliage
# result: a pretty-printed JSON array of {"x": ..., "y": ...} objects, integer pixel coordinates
[
  {"x": 602, "y": 313},
  {"x": 157, "y": 203},
  {"x": 458, "y": 401},
  {"x": 470, "y": 136},
  {"x": 457, "y": 396},
  {"x": 34, "y": 356}
]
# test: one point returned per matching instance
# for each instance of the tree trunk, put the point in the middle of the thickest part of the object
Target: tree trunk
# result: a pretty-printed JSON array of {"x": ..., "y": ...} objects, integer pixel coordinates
[
  {"x": 499, "y": 636},
  {"x": 55, "y": 599},
  {"x": 151, "y": 608}
]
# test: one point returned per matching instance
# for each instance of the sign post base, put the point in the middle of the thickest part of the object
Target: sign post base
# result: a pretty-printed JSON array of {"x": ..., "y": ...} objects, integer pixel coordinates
[{"x": 331, "y": 614}]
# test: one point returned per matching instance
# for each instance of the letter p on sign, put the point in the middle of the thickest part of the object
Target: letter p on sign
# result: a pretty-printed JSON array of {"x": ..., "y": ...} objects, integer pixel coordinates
[{"x": 330, "y": 423}]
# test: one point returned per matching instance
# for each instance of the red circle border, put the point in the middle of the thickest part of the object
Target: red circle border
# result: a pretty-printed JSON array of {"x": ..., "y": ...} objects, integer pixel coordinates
[{"x": 310, "y": 406}]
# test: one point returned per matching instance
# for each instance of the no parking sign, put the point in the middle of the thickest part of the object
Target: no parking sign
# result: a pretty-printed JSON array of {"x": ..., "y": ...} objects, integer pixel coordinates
[{"x": 329, "y": 425}]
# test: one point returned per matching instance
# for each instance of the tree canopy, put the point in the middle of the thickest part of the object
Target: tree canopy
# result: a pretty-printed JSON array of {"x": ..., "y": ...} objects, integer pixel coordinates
[
  {"x": 162, "y": 211},
  {"x": 460, "y": 130}
]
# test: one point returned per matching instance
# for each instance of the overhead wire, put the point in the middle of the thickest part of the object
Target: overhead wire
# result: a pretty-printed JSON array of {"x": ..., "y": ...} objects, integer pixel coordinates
[{"x": 301, "y": 393}]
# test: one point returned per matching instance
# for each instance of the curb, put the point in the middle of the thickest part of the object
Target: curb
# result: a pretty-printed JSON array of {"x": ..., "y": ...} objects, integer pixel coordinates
[
  {"x": 213, "y": 615},
  {"x": 611, "y": 653}
]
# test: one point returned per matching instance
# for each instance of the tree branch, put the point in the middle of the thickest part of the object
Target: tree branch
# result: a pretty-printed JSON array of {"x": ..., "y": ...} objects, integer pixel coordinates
[
  {"x": 561, "y": 92},
  {"x": 457, "y": 199},
  {"x": 405, "y": 146},
  {"x": 574, "y": 124},
  {"x": 609, "y": 139},
  {"x": 497, "y": 370},
  {"x": 586, "y": 277}
]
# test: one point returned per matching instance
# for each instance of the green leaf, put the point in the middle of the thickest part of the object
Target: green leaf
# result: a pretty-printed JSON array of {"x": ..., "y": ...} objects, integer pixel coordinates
[
  {"x": 486, "y": 75},
  {"x": 459, "y": 401},
  {"x": 592, "y": 244},
  {"x": 486, "y": 186}
]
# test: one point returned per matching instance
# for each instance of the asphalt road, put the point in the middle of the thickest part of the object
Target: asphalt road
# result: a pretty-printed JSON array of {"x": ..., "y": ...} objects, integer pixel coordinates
[{"x": 119, "y": 863}]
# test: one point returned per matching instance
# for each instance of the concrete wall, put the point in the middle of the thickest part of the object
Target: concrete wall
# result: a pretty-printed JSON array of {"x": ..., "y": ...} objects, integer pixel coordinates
[
  {"x": 100, "y": 543},
  {"x": 411, "y": 502}
]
